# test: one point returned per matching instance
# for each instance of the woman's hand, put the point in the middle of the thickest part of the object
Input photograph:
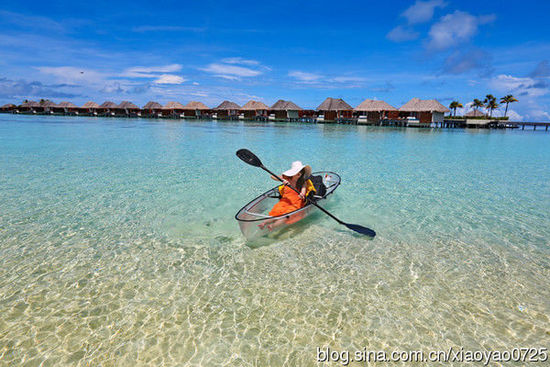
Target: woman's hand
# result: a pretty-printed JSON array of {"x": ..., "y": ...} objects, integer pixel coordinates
[
  {"x": 285, "y": 182},
  {"x": 302, "y": 196}
]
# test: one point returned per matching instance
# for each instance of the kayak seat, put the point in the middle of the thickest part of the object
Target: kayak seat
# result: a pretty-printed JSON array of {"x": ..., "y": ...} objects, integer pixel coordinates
[
  {"x": 320, "y": 188},
  {"x": 274, "y": 195}
]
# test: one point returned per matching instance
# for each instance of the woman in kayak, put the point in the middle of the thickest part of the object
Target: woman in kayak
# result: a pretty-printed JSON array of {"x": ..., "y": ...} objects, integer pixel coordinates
[{"x": 298, "y": 177}]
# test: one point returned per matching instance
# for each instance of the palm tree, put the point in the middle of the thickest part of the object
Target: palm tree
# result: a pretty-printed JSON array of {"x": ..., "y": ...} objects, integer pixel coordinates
[
  {"x": 477, "y": 104},
  {"x": 508, "y": 99},
  {"x": 489, "y": 97},
  {"x": 454, "y": 105},
  {"x": 492, "y": 105}
]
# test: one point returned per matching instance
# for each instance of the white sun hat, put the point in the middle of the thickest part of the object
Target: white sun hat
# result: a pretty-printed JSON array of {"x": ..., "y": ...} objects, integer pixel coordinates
[{"x": 296, "y": 167}]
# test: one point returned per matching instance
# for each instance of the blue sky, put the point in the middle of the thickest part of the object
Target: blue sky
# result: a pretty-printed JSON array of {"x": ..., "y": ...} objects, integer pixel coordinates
[{"x": 298, "y": 50}]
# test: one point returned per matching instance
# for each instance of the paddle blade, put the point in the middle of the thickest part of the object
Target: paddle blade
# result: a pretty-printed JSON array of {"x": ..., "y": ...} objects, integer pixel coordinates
[
  {"x": 248, "y": 157},
  {"x": 360, "y": 229}
]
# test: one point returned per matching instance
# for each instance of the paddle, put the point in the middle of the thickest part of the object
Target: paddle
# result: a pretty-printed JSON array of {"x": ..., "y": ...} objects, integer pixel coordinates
[{"x": 248, "y": 157}]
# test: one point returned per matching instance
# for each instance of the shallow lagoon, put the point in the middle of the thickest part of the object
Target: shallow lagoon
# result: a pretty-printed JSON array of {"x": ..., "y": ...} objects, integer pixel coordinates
[{"x": 118, "y": 244}]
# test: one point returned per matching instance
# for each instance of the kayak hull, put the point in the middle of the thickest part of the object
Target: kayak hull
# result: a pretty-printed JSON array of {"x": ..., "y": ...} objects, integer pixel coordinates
[{"x": 256, "y": 212}]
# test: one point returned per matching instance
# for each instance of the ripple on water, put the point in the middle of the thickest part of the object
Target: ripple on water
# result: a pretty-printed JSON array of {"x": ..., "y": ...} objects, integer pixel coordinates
[{"x": 124, "y": 259}]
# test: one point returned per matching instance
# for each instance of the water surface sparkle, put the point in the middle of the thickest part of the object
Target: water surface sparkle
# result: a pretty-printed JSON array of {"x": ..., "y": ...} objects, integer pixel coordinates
[{"x": 118, "y": 245}]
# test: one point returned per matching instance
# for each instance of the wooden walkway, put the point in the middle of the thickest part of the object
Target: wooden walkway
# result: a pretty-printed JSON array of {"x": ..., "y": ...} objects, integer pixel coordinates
[{"x": 534, "y": 124}]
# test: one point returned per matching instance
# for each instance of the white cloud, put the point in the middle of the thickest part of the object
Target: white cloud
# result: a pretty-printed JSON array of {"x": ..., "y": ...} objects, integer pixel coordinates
[
  {"x": 321, "y": 81},
  {"x": 542, "y": 70},
  {"x": 521, "y": 86},
  {"x": 347, "y": 79},
  {"x": 455, "y": 28},
  {"x": 422, "y": 11},
  {"x": 169, "y": 79},
  {"x": 304, "y": 77},
  {"x": 240, "y": 61},
  {"x": 73, "y": 75},
  {"x": 402, "y": 34},
  {"x": 540, "y": 115},
  {"x": 228, "y": 77},
  {"x": 464, "y": 60},
  {"x": 150, "y": 71},
  {"x": 114, "y": 88},
  {"x": 200, "y": 94},
  {"x": 166, "y": 28},
  {"x": 229, "y": 71},
  {"x": 514, "y": 116},
  {"x": 22, "y": 89},
  {"x": 30, "y": 21}
]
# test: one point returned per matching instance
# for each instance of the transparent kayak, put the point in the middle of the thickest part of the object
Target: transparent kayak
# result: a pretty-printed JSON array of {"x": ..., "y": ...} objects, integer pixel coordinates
[{"x": 256, "y": 212}]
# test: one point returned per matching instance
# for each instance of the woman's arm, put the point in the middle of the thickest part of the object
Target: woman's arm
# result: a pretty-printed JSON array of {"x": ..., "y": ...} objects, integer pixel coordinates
[
  {"x": 279, "y": 179},
  {"x": 303, "y": 193}
]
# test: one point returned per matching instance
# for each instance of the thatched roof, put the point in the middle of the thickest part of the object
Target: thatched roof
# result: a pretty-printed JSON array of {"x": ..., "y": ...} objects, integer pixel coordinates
[
  {"x": 254, "y": 105},
  {"x": 194, "y": 105},
  {"x": 333, "y": 104},
  {"x": 152, "y": 106},
  {"x": 128, "y": 105},
  {"x": 174, "y": 106},
  {"x": 47, "y": 103},
  {"x": 8, "y": 105},
  {"x": 227, "y": 105},
  {"x": 67, "y": 104},
  {"x": 109, "y": 104},
  {"x": 90, "y": 104},
  {"x": 30, "y": 104},
  {"x": 282, "y": 105},
  {"x": 426, "y": 105},
  {"x": 374, "y": 105},
  {"x": 475, "y": 113}
]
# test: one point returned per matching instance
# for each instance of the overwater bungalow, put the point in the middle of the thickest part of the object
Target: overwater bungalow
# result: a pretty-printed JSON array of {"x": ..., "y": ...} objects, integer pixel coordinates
[
  {"x": 227, "y": 110},
  {"x": 8, "y": 108},
  {"x": 475, "y": 113},
  {"x": 128, "y": 109},
  {"x": 107, "y": 108},
  {"x": 152, "y": 109},
  {"x": 254, "y": 110},
  {"x": 66, "y": 108},
  {"x": 285, "y": 111},
  {"x": 334, "y": 110},
  {"x": 173, "y": 110},
  {"x": 88, "y": 109},
  {"x": 30, "y": 107},
  {"x": 372, "y": 111},
  {"x": 196, "y": 109},
  {"x": 47, "y": 107},
  {"x": 418, "y": 112}
]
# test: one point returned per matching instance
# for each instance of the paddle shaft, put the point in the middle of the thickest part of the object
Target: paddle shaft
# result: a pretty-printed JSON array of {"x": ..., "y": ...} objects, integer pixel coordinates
[{"x": 293, "y": 188}]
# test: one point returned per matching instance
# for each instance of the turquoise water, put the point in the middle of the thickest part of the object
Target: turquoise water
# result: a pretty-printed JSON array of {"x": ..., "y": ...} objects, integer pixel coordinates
[{"x": 118, "y": 245}]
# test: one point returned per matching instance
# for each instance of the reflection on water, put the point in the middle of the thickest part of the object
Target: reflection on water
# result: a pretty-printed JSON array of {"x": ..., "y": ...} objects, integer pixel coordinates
[{"x": 118, "y": 246}]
